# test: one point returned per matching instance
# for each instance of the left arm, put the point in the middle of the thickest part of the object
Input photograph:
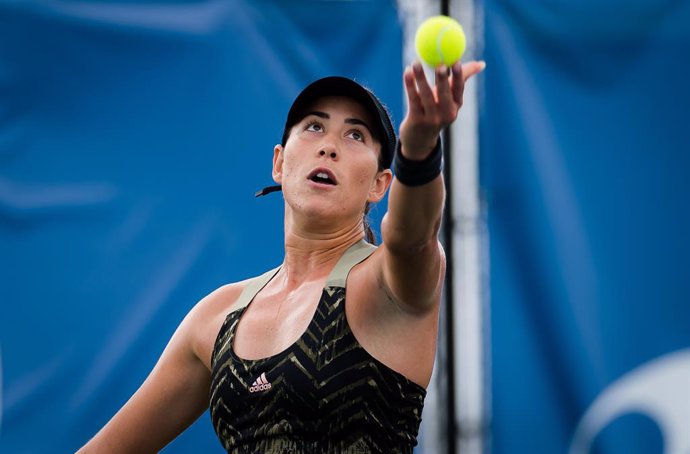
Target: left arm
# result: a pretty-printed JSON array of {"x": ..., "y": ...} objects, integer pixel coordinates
[{"x": 413, "y": 260}]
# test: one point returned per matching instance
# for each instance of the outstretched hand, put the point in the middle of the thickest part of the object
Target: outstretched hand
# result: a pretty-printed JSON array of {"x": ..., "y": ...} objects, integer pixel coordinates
[{"x": 432, "y": 109}]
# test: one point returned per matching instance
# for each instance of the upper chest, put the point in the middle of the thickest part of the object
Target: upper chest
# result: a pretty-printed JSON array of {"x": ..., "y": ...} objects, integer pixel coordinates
[{"x": 275, "y": 319}]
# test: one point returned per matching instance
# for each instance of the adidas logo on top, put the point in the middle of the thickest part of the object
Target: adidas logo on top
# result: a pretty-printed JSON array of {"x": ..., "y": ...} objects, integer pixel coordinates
[{"x": 260, "y": 384}]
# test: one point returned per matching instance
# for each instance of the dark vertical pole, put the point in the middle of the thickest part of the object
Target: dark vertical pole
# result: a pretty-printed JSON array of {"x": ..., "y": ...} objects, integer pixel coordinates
[{"x": 448, "y": 227}]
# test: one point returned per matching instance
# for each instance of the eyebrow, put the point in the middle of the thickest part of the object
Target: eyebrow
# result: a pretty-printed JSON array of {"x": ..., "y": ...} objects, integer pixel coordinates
[{"x": 350, "y": 121}]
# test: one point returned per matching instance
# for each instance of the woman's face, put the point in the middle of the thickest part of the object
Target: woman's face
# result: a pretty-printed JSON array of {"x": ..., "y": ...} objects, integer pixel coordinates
[{"x": 329, "y": 165}]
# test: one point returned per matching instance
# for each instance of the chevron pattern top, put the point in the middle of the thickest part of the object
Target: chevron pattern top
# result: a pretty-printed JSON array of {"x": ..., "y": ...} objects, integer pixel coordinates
[{"x": 323, "y": 394}]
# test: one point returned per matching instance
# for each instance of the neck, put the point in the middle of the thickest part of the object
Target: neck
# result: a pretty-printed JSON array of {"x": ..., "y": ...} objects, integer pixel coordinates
[{"x": 311, "y": 255}]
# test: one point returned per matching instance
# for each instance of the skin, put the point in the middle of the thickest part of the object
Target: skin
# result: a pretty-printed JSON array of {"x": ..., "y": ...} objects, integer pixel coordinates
[{"x": 393, "y": 297}]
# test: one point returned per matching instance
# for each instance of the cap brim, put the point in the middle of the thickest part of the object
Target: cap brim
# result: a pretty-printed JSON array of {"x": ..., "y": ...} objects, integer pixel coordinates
[{"x": 342, "y": 86}]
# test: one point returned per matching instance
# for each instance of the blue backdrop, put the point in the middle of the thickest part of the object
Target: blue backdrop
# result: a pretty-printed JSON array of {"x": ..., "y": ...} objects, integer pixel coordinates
[
  {"x": 132, "y": 138},
  {"x": 133, "y": 135},
  {"x": 585, "y": 143}
]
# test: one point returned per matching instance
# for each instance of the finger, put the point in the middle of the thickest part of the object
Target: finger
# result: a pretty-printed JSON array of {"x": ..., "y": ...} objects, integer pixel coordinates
[
  {"x": 426, "y": 95},
  {"x": 413, "y": 101},
  {"x": 472, "y": 68},
  {"x": 445, "y": 97},
  {"x": 458, "y": 83}
]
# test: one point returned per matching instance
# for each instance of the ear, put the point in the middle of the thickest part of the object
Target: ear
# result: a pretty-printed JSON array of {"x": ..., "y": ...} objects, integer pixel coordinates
[
  {"x": 380, "y": 185},
  {"x": 278, "y": 164}
]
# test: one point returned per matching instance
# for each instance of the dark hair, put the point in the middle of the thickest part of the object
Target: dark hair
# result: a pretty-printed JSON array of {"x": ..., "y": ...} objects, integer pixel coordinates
[{"x": 369, "y": 234}]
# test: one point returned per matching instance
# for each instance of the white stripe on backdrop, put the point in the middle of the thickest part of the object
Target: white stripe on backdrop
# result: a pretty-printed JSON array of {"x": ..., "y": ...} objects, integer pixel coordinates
[{"x": 470, "y": 255}]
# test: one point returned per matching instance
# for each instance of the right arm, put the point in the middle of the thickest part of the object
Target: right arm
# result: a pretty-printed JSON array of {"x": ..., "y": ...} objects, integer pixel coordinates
[
  {"x": 175, "y": 393},
  {"x": 413, "y": 268}
]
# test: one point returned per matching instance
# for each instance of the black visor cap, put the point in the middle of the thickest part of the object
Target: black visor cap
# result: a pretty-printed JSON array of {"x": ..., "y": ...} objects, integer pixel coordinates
[{"x": 342, "y": 86}]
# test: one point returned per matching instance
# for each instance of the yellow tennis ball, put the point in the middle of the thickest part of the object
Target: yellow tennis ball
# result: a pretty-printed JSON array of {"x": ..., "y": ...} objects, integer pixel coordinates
[{"x": 440, "y": 40}]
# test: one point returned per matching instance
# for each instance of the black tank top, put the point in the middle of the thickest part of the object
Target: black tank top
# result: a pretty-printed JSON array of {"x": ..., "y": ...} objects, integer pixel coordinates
[{"x": 323, "y": 394}]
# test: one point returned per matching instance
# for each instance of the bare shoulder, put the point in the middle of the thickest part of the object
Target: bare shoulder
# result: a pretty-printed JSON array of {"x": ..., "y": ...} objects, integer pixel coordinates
[
  {"x": 220, "y": 300},
  {"x": 204, "y": 320}
]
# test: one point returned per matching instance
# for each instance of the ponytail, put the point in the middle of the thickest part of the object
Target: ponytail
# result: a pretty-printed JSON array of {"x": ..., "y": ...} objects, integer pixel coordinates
[{"x": 369, "y": 235}]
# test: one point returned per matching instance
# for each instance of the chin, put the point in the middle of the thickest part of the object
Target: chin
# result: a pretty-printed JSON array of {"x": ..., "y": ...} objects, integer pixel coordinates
[
  {"x": 324, "y": 209},
  {"x": 317, "y": 206}
]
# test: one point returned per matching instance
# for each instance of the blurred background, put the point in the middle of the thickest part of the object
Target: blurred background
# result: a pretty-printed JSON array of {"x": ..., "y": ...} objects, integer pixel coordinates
[{"x": 133, "y": 135}]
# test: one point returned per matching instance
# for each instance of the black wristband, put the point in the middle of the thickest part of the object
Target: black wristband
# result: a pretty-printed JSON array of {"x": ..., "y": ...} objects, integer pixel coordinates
[{"x": 417, "y": 173}]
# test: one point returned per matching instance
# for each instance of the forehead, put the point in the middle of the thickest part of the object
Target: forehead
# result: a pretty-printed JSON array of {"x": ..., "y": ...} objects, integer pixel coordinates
[{"x": 342, "y": 105}]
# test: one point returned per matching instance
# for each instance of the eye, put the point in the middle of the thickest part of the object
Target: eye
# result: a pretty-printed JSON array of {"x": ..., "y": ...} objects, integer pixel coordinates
[
  {"x": 314, "y": 126},
  {"x": 356, "y": 134}
]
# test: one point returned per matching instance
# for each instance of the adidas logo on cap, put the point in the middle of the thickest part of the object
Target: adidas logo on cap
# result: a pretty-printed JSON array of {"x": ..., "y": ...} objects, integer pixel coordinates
[{"x": 260, "y": 384}]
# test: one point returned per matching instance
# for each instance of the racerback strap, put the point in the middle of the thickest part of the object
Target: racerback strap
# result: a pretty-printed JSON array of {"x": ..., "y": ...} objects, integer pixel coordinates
[
  {"x": 253, "y": 287},
  {"x": 354, "y": 255}
]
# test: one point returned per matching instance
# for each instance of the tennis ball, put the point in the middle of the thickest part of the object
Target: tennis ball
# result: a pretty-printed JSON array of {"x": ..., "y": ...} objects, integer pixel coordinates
[{"x": 440, "y": 40}]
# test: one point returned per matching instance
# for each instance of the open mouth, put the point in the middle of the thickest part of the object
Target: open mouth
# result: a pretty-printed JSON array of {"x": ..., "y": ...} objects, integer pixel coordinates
[{"x": 322, "y": 176}]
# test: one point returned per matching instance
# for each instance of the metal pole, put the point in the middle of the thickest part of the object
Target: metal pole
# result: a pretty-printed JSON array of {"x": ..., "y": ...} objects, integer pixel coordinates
[{"x": 470, "y": 311}]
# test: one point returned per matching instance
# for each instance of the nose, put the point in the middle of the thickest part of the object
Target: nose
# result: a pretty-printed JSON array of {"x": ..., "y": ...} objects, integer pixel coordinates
[
  {"x": 332, "y": 154},
  {"x": 328, "y": 150}
]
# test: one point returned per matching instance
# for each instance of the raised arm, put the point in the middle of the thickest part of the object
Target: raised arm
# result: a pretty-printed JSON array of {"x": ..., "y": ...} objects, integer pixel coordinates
[{"x": 413, "y": 258}]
